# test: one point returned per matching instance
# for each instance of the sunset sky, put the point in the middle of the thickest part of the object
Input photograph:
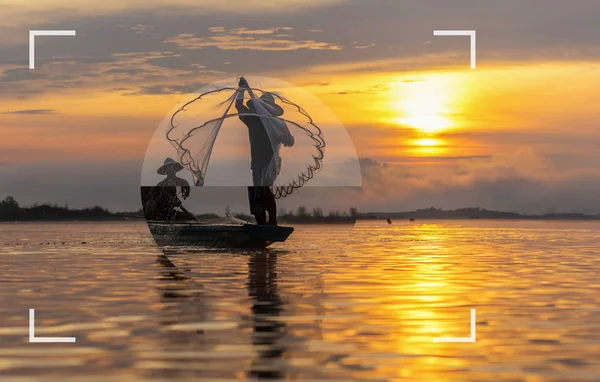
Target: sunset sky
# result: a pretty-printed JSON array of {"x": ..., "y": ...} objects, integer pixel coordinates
[{"x": 520, "y": 133}]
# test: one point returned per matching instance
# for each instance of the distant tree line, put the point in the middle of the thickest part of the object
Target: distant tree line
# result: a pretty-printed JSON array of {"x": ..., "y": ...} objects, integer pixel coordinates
[
  {"x": 11, "y": 211},
  {"x": 474, "y": 213},
  {"x": 316, "y": 215},
  {"x": 302, "y": 216}
]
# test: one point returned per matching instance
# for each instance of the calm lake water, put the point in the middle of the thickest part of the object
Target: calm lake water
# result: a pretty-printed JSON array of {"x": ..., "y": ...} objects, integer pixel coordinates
[{"x": 331, "y": 304}]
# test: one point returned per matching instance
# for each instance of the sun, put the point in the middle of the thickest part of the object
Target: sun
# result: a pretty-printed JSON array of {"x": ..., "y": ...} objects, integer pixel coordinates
[
  {"x": 424, "y": 105},
  {"x": 427, "y": 123}
]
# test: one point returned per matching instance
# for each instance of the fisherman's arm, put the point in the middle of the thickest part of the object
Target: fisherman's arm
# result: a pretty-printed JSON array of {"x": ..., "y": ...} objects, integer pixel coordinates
[
  {"x": 185, "y": 189},
  {"x": 288, "y": 139},
  {"x": 239, "y": 101},
  {"x": 185, "y": 186}
]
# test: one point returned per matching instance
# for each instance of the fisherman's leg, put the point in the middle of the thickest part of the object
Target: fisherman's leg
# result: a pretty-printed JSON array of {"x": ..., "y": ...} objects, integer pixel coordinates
[
  {"x": 255, "y": 208},
  {"x": 271, "y": 206},
  {"x": 260, "y": 216}
]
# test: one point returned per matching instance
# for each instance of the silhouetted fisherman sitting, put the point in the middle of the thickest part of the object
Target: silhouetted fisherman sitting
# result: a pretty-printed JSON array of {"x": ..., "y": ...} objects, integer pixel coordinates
[{"x": 160, "y": 202}]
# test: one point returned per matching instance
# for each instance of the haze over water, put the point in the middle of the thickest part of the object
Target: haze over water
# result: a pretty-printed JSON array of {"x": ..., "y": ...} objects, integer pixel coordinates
[{"x": 329, "y": 304}]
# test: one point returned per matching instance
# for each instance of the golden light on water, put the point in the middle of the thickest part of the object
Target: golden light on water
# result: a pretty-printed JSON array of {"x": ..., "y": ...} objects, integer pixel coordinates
[{"x": 426, "y": 147}]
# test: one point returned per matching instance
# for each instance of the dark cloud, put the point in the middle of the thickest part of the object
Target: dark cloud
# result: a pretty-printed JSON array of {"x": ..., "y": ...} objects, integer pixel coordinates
[
  {"x": 20, "y": 74},
  {"x": 441, "y": 158},
  {"x": 31, "y": 111},
  {"x": 506, "y": 30},
  {"x": 522, "y": 181},
  {"x": 114, "y": 185},
  {"x": 127, "y": 71}
]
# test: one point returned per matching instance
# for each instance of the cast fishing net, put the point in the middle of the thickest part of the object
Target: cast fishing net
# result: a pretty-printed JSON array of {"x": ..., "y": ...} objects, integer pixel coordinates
[{"x": 286, "y": 146}]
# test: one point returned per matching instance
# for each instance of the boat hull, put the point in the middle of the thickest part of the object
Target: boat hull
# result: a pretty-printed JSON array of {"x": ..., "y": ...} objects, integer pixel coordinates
[{"x": 218, "y": 236}]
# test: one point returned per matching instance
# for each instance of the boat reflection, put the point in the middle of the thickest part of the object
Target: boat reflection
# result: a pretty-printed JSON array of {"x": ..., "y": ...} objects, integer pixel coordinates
[
  {"x": 184, "y": 302},
  {"x": 183, "y": 299},
  {"x": 268, "y": 331}
]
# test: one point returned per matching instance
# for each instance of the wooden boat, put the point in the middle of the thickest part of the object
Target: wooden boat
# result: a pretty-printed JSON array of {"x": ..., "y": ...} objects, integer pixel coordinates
[{"x": 217, "y": 235}]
